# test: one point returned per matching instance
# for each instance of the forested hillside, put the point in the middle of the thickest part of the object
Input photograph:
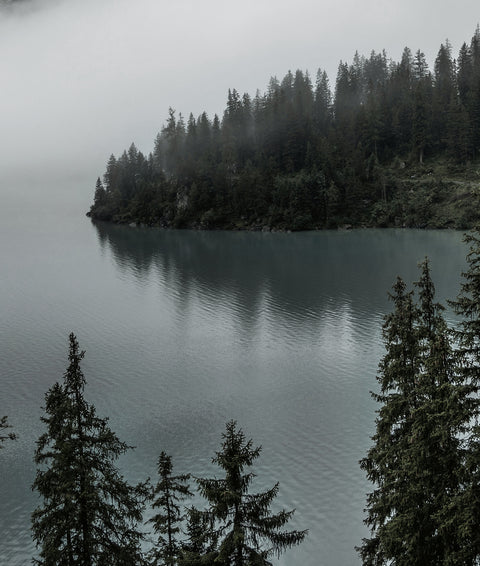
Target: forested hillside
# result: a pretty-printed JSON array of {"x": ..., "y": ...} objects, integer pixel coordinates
[{"x": 395, "y": 144}]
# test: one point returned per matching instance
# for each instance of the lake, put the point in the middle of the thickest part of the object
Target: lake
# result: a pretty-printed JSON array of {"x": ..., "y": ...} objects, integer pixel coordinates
[{"x": 185, "y": 330}]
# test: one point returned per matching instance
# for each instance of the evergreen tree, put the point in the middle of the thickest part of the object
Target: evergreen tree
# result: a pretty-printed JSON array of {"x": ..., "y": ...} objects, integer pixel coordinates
[
  {"x": 467, "y": 305},
  {"x": 244, "y": 521},
  {"x": 418, "y": 456},
  {"x": 444, "y": 93},
  {"x": 322, "y": 106},
  {"x": 199, "y": 548},
  {"x": 467, "y": 509},
  {"x": 399, "y": 104},
  {"x": 89, "y": 513},
  {"x": 458, "y": 143},
  {"x": 421, "y": 117},
  {"x": 168, "y": 492},
  {"x": 464, "y": 73},
  {"x": 420, "y": 66}
]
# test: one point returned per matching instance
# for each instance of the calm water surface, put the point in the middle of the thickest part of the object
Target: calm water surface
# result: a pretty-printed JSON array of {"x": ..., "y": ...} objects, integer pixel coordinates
[{"x": 186, "y": 330}]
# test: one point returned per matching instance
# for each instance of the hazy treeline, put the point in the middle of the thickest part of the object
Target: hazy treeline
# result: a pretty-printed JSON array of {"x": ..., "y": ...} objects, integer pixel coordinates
[{"x": 299, "y": 156}]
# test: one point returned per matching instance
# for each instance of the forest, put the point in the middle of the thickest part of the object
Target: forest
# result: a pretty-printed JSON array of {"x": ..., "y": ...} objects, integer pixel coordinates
[{"x": 395, "y": 144}]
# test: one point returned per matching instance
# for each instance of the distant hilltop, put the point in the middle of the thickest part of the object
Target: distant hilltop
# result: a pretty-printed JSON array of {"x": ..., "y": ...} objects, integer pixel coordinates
[{"x": 394, "y": 144}]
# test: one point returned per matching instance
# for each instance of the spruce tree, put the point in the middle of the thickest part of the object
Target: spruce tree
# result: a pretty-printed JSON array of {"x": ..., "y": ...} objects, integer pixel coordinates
[
  {"x": 89, "y": 513},
  {"x": 444, "y": 92},
  {"x": 421, "y": 117},
  {"x": 169, "y": 491},
  {"x": 466, "y": 508},
  {"x": 249, "y": 533},
  {"x": 200, "y": 546},
  {"x": 417, "y": 459}
]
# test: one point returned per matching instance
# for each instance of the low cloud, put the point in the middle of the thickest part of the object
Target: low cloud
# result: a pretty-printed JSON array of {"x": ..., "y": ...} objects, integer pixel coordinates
[{"x": 83, "y": 79}]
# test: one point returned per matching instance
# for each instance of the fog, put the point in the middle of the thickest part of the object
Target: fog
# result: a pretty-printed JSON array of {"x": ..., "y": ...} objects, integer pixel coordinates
[{"x": 82, "y": 79}]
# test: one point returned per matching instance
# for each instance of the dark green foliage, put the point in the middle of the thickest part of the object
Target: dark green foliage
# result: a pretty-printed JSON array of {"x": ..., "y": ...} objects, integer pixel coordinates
[
  {"x": 417, "y": 461},
  {"x": 89, "y": 513},
  {"x": 248, "y": 532},
  {"x": 272, "y": 159},
  {"x": 200, "y": 546},
  {"x": 169, "y": 491},
  {"x": 467, "y": 305},
  {"x": 225, "y": 174},
  {"x": 467, "y": 508},
  {"x": 5, "y": 436}
]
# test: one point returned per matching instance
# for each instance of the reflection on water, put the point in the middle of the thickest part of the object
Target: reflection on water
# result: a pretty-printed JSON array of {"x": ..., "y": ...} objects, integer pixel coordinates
[
  {"x": 185, "y": 330},
  {"x": 300, "y": 273},
  {"x": 299, "y": 318}
]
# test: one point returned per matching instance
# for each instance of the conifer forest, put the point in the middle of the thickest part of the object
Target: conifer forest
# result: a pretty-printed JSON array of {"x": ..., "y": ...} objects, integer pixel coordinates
[{"x": 392, "y": 144}]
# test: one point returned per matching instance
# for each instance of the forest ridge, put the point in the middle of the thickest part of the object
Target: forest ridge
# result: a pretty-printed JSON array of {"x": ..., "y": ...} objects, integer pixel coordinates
[{"x": 395, "y": 144}]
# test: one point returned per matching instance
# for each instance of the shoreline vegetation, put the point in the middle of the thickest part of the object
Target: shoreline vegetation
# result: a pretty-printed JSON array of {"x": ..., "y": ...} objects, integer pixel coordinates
[{"x": 395, "y": 144}]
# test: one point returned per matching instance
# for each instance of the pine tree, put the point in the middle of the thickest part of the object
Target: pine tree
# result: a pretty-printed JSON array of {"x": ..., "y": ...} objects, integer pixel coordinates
[
  {"x": 168, "y": 492},
  {"x": 418, "y": 456},
  {"x": 200, "y": 546},
  {"x": 467, "y": 305},
  {"x": 466, "y": 509},
  {"x": 399, "y": 103},
  {"x": 89, "y": 513},
  {"x": 464, "y": 73},
  {"x": 243, "y": 521},
  {"x": 421, "y": 117},
  {"x": 444, "y": 92},
  {"x": 322, "y": 106}
]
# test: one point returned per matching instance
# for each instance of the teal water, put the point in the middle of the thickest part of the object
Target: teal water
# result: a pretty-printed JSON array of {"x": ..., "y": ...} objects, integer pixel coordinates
[{"x": 186, "y": 330}]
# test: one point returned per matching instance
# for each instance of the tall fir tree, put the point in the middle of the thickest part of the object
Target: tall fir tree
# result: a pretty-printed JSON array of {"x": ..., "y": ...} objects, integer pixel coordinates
[
  {"x": 199, "y": 548},
  {"x": 168, "y": 493},
  {"x": 421, "y": 122},
  {"x": 418, "y": 455},
  {"x": 444, "y": 93},
  {"x": 249, "y": 533},
  {"x": 467, "y": 305},
  {"x": 466, "y": 509},
  {"x": 89, "y": 513}
]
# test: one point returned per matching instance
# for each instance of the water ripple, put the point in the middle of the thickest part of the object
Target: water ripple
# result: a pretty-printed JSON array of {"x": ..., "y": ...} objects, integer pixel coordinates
[{"x": 184, "y": 331}]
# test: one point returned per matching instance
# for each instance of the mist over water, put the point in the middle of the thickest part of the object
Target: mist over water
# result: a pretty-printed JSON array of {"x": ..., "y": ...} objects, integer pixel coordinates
[
  {"x": 184, "y": 331},
  {"x": 84, "y": 79}
]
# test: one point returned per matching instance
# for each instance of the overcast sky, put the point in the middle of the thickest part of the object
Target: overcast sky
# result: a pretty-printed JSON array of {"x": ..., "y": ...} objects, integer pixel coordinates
[{"x": 81, "y": 79}]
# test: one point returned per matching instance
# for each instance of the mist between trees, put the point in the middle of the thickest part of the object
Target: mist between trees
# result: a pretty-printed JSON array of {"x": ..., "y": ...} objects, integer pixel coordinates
[{"x": 395, "y": 145}]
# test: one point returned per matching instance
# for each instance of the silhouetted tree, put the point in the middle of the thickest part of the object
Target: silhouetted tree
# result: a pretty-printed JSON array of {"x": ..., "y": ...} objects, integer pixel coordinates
[
  {"x": 249, "y": 533},
  {"x": 169, "y": 491},
  {"x": 89, "y": 513},
  {"x": 199, "y": 548},
  {"x": 417, "y": 461}
]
